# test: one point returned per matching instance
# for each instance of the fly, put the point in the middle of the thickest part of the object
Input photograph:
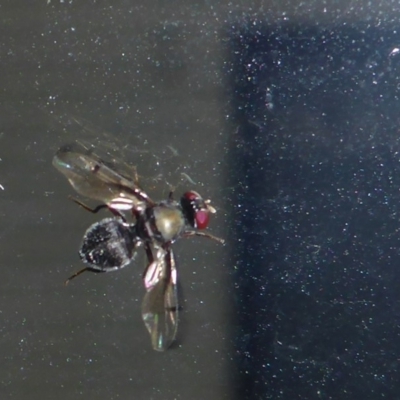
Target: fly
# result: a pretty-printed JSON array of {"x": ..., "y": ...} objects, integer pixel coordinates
[{"x": 112, "y": 243}]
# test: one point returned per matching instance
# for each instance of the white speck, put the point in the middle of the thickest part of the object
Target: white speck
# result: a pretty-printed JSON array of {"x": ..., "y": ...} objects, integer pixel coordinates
[
  {"x": 395, "y": 51},
  {"x": 1, "y": 187}
]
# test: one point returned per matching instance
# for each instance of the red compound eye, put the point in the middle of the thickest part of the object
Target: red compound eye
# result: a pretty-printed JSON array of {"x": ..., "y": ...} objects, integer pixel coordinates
[
  {"x": 196, "y": 209},
  {"x": 201, "y": 217},
  {"x": 192, "y": 196}
]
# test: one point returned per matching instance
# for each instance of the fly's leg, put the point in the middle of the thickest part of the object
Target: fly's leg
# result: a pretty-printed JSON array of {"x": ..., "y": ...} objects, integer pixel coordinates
[
  {"x": 87, "y": 208},
  {"x": 150, "y": 258},
  {"x": 98, "y": 208},
  {"x": 79, "y": 273},
  {"x": 135, "y": 176},
  {"x": 149, "y": 253},
  {"x": 203, "y": 234}
]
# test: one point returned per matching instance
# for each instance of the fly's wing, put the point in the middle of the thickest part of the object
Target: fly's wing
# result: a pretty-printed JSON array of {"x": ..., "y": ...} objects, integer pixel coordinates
[
  {"x": 160, "y": 303},
  {"x": 108, "y": 245},
  {"x": 93, "y": 178}
]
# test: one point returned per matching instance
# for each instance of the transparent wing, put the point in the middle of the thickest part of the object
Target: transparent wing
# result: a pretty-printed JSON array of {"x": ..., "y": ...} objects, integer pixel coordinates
[
  {"x": 160, "y": 303},
  {"x": 111, "y": 183}
]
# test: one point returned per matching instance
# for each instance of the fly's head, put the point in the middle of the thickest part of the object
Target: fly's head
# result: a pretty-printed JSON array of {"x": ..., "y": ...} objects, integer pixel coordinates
[{"x": 196, "y": 210}]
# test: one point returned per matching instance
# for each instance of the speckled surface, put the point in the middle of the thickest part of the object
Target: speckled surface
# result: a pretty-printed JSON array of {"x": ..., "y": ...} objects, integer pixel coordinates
[
  {"x": 285, "y": 114},
  {"x": 317, "y": 197}
]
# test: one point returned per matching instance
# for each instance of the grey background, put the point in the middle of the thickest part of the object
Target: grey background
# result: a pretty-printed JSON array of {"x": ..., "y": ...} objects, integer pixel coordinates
[{"x": 153, "y": 75}]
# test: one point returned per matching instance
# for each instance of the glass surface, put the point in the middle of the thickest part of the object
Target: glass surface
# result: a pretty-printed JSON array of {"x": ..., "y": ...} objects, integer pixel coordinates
[
  {"x": 285, "y": 115},
  {"x": 121, "y": 74},
  {"x": 316, "y": 154}
]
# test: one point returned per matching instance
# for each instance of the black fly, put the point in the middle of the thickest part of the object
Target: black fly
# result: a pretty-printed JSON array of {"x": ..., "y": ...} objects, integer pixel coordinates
[{"x": 111, "y": 243}]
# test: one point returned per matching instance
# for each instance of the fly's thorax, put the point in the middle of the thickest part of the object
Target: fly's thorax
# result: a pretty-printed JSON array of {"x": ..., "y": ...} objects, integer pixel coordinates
[{"x": 165, "y": 222}]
